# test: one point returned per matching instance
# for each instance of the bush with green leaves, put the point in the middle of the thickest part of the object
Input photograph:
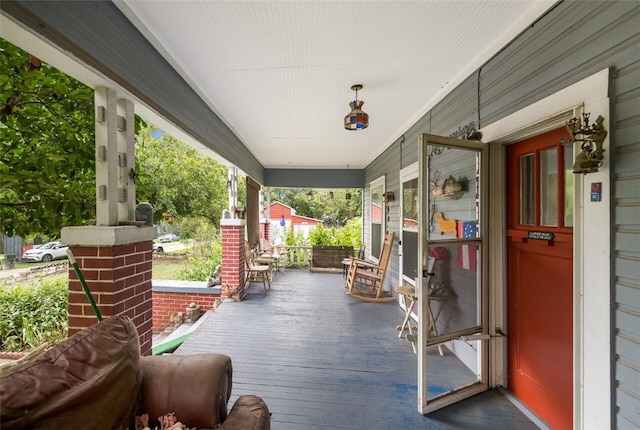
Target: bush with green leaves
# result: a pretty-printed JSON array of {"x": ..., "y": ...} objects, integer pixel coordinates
[
  {"x": 203, "y": 260},
  {"x": 349, "y": 235},
  {"x": 34, "y": 313},
  {"x": 319, "y": 236}
]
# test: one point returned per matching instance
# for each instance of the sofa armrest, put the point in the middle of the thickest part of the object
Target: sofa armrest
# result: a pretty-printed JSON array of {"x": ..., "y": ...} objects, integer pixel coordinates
[
  {"x": 248, "y": 413},
  {"x": 195, "y": 387}
]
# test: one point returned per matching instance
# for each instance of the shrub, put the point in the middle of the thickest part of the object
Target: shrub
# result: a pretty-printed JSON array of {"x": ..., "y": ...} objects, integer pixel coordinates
[
  {"x": 34, "y": 313},
  {"x": 349, "y": 235},
  {"x": 203, "y": 261},
  {"x": 320, "y": 236}
]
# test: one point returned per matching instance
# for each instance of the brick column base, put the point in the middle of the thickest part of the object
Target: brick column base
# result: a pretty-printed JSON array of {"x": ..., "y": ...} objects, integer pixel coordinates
[
  {"x": 233, "y": 256},
  {"x": 118, "y": 277}
]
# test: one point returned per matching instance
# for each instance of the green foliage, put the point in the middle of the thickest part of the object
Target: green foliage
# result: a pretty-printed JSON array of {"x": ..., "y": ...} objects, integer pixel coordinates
[
  {"x": 334, "y": 212},
  {"x": 203, "y": 261},
  {"x": 349, "y": 235},
  {"x": 178, "y": 180},
  {"x": 320, "y": 236},
  {"x": 31, "y": 314},
  {"x": 47, "y": 166},
  {"x": 289, "y": 237},
  {"x": 196, "y": 228}
]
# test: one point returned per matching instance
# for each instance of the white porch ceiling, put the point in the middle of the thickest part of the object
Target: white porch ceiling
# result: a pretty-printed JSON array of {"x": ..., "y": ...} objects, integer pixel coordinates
[{"x": 279, "y": 73}]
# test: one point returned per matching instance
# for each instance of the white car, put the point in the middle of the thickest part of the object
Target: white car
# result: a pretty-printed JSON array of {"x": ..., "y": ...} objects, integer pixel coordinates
[
  {"x": 168, "y": 238},
  {"x": 48, "y": 252}
]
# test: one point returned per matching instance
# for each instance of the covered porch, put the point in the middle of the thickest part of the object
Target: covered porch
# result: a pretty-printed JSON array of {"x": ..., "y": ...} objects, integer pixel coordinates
[{"x": 322, "y": 359}]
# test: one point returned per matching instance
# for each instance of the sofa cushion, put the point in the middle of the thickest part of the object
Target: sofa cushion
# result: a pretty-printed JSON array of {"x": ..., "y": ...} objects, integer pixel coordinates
[{"x": 89, "y": 381}]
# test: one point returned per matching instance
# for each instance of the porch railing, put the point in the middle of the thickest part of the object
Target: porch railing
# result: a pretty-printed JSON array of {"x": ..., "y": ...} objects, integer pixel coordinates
[{"x": 298, "y": 256}]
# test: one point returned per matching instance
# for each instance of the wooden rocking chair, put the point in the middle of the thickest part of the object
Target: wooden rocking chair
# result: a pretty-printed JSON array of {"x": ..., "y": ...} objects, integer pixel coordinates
[{"x": 365, "y": 279}]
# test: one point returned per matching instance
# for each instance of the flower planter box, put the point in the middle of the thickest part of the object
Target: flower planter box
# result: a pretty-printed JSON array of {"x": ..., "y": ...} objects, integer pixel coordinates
[{"x": 330, "y": 256}]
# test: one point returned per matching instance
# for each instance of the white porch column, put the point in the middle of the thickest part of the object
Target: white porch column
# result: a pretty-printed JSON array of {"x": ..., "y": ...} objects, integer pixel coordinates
[
  {"x": 233, "y": 190},
  {"x": 115, "y": 158}
]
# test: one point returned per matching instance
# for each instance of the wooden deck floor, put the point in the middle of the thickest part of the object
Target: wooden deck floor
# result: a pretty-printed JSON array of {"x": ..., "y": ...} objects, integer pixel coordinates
[{"x": 323, "y": 360}]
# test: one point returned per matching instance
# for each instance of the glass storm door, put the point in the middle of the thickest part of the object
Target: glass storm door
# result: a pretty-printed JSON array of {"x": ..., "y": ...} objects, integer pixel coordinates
[{"x": 452, "y": 291}]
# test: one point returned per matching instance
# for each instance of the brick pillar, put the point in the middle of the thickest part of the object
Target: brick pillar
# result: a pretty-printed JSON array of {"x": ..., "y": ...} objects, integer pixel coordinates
[
  {"x": 117, "y": 274},
  {"x": 233, "y": 254},
  {"x": 264, "y": 230}
]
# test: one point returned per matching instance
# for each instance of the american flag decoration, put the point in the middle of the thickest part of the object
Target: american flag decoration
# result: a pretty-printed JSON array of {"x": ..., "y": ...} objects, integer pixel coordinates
[
  {"x": 466, "y": 229},
  {"x": 467, "y": 256}
]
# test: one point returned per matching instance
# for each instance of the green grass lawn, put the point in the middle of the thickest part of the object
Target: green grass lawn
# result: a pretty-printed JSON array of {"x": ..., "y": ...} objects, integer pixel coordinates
[{"x": 166, "y": 269}]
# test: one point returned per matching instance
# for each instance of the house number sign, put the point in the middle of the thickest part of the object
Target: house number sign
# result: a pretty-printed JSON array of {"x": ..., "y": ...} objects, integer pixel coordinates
[{"x": 540, "y": 235}]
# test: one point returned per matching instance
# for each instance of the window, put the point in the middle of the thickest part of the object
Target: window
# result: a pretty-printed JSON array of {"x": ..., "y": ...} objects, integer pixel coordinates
[{"x": 550, "y": 202}]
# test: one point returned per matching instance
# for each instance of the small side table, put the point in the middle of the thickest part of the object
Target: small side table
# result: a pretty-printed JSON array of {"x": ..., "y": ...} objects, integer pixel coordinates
[{"x": 408, "y": 292}]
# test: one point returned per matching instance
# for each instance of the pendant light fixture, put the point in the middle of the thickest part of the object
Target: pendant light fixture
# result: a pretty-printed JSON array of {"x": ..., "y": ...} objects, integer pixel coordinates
[{"x": 357, "y": 119}]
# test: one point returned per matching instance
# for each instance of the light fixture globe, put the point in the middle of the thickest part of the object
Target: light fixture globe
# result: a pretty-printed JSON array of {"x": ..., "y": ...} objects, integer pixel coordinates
[{"x": 357, "y": 119}]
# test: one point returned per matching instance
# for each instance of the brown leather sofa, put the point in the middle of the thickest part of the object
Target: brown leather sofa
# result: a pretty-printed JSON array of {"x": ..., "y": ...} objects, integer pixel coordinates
[{"x": 96, "y": 379}]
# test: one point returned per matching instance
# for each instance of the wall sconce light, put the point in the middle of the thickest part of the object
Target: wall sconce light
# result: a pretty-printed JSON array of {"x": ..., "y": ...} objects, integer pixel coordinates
[
  {"x": 591, "y": 138},
  {"x": 330, "y": 194},
  {"x": 347, "y": 195},
  {"x": 389, "y": 196},
  {"x": 357, "y": 119},
  {"x": 310, "y": 195}
]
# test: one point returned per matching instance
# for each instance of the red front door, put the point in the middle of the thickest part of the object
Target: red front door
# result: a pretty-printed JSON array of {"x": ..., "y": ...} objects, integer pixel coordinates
[{"x": 540, "y": 276}]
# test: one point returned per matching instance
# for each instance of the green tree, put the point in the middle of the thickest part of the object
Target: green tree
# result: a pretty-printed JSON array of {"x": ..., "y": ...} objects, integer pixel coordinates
[
  {"x": 334, "y": 211},
  {"x": 47, "y": 166},
  {"x": 179, "y": 181}
]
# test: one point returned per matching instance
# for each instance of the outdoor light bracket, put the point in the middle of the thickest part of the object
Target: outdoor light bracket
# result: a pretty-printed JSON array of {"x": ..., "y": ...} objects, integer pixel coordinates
[{"x": 591, "y": 139}]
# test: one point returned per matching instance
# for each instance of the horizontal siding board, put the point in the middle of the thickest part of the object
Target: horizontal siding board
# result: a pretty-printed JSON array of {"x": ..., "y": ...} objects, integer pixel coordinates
[
  {"x": 629, "y": 377},
  {"x": 628, "y": 297},
  {"x": 409, "y": 150},
  {"x": 628, "y": 241},
  {"x": 630, "y": 351},
  {"x": 627, "y": 267},
  {"x": 627, "y": 80},
  {"x": 563, "y": 57},
  {"x": 629, "y": 419},
  {"x": 627, "y": 215},
  {"x": 459, "y": 109},
  {"x": 627, "y": 163}
]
